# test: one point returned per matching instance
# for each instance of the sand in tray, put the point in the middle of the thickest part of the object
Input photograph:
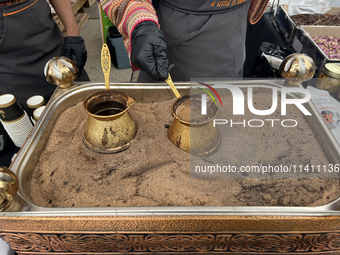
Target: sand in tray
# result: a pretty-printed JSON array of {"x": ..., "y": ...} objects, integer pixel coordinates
[{"x": 154, "y": 172}]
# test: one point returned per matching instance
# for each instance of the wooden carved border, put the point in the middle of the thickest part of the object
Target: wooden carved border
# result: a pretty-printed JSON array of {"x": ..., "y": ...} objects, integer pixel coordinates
[{"x": 174, "y": 243}]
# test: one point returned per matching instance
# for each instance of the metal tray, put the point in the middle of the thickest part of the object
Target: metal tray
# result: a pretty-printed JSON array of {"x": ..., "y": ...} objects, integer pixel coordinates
[
  {"x": 300, "y": 36},
  {"x": 43, "y": 227},
  {"x": 309, "y": 31}
]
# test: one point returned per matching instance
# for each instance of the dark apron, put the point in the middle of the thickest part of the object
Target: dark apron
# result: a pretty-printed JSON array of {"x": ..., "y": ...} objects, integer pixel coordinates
[
  {"x": 205, "y": 39},
  {"x": 29, "y": 38}
]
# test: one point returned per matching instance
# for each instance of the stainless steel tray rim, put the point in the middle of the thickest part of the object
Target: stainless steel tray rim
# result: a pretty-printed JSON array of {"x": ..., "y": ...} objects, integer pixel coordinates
[{"x": 332, "y": 208}]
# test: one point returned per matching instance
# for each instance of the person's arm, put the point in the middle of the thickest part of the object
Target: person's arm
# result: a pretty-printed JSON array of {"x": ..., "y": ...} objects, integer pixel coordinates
[
  {"x": 74, "y": 45},
  {"x": 137, "y": 22},
  {"x": 127, "y": 14},
  {"x": 65, "y": 12}
]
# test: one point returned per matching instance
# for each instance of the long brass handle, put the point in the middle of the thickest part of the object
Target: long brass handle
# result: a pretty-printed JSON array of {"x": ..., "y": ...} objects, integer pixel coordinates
[
  {"x": 172, "y": 86},
  {"x": 106, "y": 65}
]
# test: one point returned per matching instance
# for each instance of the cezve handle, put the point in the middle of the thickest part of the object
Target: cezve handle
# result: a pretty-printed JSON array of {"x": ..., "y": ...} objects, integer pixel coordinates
[
  {"x": 172, "y": 86},
  {"x": 106, "y": 65}
]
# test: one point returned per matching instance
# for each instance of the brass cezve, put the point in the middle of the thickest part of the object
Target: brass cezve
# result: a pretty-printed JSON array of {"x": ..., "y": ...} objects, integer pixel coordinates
[
  {"x": 198, "y": 139},
  {"x": 109, "y": 133}
]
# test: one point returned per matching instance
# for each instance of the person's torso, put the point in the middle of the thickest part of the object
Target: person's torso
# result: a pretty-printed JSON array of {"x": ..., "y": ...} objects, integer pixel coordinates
[
  {"x": 10, "y": 3},
  {"x": 204, "y": 6},
  {"x": 204, "y": 38}
]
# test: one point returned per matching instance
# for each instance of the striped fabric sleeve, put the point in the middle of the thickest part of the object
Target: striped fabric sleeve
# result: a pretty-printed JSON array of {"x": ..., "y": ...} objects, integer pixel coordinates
[{"x": 127, "y": 14}]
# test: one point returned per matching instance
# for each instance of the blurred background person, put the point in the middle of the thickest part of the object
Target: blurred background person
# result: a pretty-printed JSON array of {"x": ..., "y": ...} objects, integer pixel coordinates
[
  {"x": 203, "y": 39},
  {"x": 29, "y": 37}
]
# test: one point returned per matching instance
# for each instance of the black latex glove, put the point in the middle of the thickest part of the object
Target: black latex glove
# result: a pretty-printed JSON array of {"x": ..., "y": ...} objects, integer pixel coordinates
[
  {"x": 148, "y": 50},
  {"x": 75, "y": 46}
]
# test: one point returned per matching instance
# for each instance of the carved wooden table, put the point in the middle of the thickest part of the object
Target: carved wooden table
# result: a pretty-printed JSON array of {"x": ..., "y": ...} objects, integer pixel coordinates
[{"x": 174, "y": 234}]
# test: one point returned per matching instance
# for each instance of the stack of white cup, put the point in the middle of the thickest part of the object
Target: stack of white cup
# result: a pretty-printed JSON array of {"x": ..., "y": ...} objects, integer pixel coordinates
[
  {"x": 14, "y": 119},
  {"x": 34, "y": 103}
]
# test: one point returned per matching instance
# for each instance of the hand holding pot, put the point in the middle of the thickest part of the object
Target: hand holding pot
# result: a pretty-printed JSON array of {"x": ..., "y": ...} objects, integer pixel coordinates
[{"x": 148, "y": 50}]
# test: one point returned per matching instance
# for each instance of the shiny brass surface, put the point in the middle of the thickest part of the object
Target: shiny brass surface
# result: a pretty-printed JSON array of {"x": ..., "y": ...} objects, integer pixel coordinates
[
  {"x": 61, "y": 71},
  {"x": 106, "y": 65},
  {"x": 9, "y": 186},
  {"x": 109, "y": 133},
  {"x": 297, "y": 68},
  {"x": 172, "y": 86},
  {"x": 198, "y": 139}
]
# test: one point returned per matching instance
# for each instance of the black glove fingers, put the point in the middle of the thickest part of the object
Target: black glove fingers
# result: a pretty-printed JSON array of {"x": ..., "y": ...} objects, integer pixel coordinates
[
  {"x": 142, "y": 56},
  {"x": 81, "y": 58},
  {"x": 75, "y": 46},
  {"x": 148, "y": 64},
  {"x": 154, "y": 73},
  {"x": 170, "y": 68},
  {"x": 162, "y": 62},
  {"x": 148, "y": 50},
  {"x": 67, "y": 52}
]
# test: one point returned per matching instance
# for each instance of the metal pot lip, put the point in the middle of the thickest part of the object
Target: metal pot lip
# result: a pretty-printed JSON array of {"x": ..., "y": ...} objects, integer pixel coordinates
[
  {"x": 195, "y": 96},
  {"x": 127, "y": 103}
]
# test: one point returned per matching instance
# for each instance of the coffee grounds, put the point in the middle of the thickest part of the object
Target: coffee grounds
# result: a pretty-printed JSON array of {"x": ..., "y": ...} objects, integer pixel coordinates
[
  {"x": 154, "y": 172},
  {"x": 316, "y": 19}
]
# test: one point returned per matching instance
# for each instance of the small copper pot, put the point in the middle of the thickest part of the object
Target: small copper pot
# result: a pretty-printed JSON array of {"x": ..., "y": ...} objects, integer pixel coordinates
[
  {"x": 190, "y": 130},
  {"x": 109, "y": 127}
]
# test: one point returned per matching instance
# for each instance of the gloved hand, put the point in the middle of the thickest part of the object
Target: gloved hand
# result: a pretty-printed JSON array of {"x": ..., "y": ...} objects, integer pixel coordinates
[
  {"x": 75, "y": 46},
  {"x": 148, "y": 50}
]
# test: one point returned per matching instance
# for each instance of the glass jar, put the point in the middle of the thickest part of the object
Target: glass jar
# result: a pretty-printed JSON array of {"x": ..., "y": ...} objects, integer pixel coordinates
[{"x": 329, "y": 78}]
